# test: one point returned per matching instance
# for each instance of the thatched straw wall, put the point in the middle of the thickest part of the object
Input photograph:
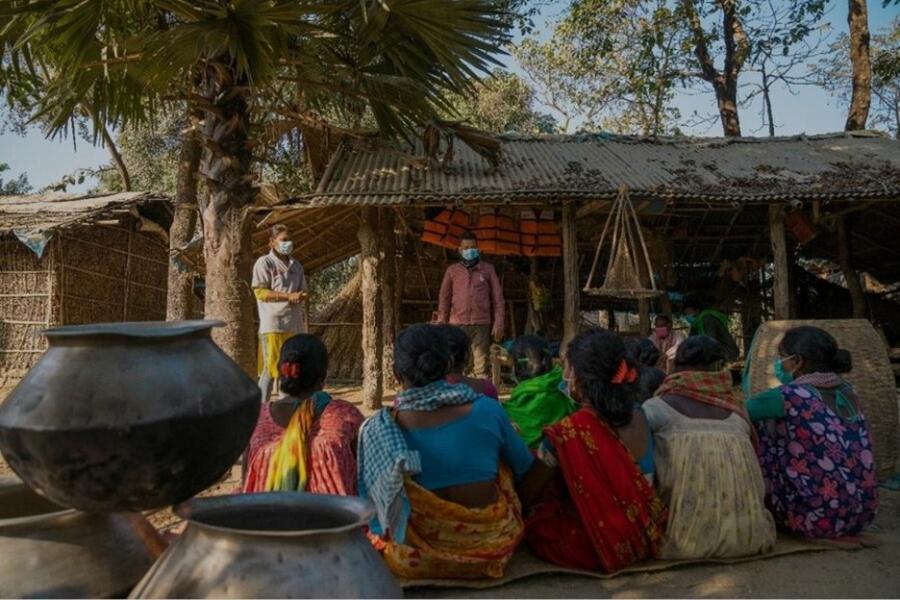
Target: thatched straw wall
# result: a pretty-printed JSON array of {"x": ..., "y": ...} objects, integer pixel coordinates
[{"x": 88, "y": 274}]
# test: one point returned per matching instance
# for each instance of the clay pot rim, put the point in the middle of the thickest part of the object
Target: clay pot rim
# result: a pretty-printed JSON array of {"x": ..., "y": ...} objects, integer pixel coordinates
[
  {"x": 133, "y": 329},
  {"x": 9, "y": 484},
  {"x": 190, "y": 511}
]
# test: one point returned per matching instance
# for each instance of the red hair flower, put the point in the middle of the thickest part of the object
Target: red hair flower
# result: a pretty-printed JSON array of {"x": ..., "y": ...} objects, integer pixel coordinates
[
  {"x": 290, "y": 369},
  {"x": 624, "y": 374}
]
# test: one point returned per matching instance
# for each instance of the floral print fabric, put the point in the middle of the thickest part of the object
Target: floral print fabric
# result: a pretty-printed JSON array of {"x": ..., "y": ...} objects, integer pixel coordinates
[{"x": 819, "y": 469}]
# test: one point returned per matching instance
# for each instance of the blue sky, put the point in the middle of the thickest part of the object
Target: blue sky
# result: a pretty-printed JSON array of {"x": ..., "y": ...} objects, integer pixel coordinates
[{"x": 809, "y": 111}]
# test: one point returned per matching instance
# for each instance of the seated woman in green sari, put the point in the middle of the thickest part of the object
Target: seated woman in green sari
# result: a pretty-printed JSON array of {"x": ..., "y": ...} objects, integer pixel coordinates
[{"x": 539, "y": 399}]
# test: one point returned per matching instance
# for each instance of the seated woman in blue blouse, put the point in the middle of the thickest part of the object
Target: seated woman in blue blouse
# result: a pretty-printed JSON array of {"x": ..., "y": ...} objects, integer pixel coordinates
[{"x": 442, "y": 469}]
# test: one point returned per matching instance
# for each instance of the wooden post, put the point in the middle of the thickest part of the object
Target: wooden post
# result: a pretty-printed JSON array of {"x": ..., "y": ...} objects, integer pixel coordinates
[
  {"x": 644, "y": 316},
  {"x": 571, "y": 287},
  {"x": 533, "y": 324},
  {"x": 388, "y": 299},
  {"x": 857, "y": 295},
  {"x": 781, "y": 290},
  {"x": 372, "y": 317}
]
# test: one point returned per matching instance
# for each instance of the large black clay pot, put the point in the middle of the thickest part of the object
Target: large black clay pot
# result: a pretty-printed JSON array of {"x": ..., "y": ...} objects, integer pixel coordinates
[{"x": 128, "y": 416}]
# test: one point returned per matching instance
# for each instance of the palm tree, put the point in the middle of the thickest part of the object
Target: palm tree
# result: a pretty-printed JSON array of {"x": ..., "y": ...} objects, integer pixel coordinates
[{"x": 236, "y": 61}]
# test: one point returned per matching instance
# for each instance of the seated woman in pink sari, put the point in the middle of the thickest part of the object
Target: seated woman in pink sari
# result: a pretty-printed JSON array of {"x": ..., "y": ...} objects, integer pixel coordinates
[{"x": 306, "y": 440}]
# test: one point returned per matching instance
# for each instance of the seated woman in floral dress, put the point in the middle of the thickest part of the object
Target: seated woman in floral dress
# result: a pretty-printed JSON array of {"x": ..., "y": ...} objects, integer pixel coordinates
[
  {"x": 307, "y": 439},
  {"x": 814, "y": 444},
  {"x": 600, "y": 511},
  {"x": 706, "y": 467}
]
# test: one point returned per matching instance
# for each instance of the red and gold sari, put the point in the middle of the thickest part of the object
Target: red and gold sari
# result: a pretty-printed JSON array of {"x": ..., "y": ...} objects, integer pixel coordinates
[{"x": 608, "y": 516}]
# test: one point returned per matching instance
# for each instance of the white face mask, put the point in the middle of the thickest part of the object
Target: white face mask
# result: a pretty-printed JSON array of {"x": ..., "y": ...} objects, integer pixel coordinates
[{"x": 285, "y": 247}]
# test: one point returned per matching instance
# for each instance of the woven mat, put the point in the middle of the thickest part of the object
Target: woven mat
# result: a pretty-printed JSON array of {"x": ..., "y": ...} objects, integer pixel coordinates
[{"x": 525, "y": 564}]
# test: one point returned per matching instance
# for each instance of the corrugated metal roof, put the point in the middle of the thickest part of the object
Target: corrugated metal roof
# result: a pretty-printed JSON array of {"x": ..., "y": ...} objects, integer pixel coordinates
[
  {"x": 553, "y": 168},
  {"x": 46, "y": 212}
]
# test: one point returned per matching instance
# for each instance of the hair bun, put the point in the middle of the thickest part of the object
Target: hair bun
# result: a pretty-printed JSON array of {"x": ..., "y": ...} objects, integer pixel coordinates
[
  {"x": 432, "y": 365},
  {"x": 842, "y": 361}
]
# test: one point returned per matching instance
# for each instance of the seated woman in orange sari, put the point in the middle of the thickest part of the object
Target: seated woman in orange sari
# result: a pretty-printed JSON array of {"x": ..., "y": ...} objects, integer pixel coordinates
[
  {"x": 314, "y": 450},
  {"x": 441, "y": 469},
  {"x": 601, "y": 512}
]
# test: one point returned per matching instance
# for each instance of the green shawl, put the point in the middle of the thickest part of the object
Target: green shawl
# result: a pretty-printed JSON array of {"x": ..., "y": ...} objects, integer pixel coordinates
[
  {"x": 699, "y": 327},
  {"x": 536, "y": 403}
]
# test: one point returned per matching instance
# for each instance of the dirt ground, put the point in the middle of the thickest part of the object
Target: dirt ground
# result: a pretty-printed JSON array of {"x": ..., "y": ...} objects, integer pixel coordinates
[{"x": 867, "y": 573}]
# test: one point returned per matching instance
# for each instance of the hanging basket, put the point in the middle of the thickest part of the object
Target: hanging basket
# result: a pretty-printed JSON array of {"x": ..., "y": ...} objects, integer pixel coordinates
[{"x": 628, "y": 255}]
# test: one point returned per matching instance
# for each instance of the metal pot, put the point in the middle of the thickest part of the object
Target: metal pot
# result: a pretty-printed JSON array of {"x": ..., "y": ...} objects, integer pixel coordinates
[
  {"x": 52, "y": 552},
  {"x": 128, "y": 416},
  {"x": 273, "y": 545}
]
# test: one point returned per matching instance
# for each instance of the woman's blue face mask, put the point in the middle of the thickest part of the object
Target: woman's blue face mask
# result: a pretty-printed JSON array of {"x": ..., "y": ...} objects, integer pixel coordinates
[{"x": 783, "y": 376}]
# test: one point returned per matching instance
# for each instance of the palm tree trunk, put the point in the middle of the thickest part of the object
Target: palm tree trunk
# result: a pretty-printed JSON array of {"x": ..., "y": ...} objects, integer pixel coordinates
[
  {"x": 858, "y": 22},
  {"x": 225, "y": 168},
  {"x": 180, "y": 297}
]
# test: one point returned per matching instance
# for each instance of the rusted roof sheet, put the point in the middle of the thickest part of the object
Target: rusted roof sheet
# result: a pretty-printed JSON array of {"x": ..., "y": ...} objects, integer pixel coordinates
[
  {"x": 593, "y": 167},
  {"x": 47, "y": 212}
]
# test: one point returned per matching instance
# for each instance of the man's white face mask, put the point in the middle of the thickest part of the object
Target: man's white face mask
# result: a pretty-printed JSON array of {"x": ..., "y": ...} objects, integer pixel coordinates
[{"x": 285, "y": 247}]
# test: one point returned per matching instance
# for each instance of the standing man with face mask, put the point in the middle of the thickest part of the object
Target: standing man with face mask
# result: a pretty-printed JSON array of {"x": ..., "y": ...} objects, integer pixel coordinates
[
  {"x": 471, "y": 297},
  {"x": 666, "y": 340},
  {"x": 279, "y": 284}
]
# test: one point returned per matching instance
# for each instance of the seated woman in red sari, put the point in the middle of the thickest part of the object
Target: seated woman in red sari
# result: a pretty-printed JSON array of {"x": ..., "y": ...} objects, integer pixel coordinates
[
  {"x": 601, "y": 512},
  {"x": 314, "y": 447}
]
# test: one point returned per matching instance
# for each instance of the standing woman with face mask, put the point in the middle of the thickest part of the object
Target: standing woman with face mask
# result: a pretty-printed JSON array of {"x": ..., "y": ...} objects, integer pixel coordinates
[{"x": 814, "y": 445}]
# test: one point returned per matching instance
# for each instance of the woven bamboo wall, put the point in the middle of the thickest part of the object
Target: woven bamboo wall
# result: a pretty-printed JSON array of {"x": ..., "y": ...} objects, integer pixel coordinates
[
  {"x": 28, "y": 286},
  {"x": 87, "y": 275}
]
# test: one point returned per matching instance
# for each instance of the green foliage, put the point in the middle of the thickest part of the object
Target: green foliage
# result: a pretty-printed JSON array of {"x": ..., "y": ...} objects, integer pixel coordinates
[
  {"x": 150, "y": 151},
  {"x": 16, "y": 186},
  {"x": 502, "y": 103},
  {"x": 836, "y": 75},
  {"x": 608, "y": 66}
]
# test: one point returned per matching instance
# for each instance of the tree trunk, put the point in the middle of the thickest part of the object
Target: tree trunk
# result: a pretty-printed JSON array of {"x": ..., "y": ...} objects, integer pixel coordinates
[
  {"x": 388, "y": 294},
  {"x": 226, "y": 169},
  {"x": 860, "y": 60},
  {"x": 781, "y": 289},
  {"x": 726, "y": 97},
  {"x": 851, "y": 276},
  {"x": 372, "y": 317},
  {"x": 572, "y": 291},
  {"x": 180, "y": 294},
  {"x": 767, "y": 98}
]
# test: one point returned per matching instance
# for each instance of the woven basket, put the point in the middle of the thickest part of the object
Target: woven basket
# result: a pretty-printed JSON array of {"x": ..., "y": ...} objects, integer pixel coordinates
[{"x": 871, "y": 376}]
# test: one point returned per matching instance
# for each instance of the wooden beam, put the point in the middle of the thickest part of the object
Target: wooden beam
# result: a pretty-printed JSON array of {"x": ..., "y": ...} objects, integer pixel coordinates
[
  {"x": 571, "y": 287},
  {"x": 372, "y": 317},
  {"x": 851, "y": 276},
  {"x": 644, "y": 316},
  {"x": 781, "y": 289},
  {"x": 388, "y": 292}
]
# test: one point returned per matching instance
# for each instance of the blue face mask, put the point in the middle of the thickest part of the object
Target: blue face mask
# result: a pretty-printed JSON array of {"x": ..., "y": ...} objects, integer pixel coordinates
[
  {"x": 780, "y": 374},
  {"x": 469, "y": 253},
  {"x": 691, "y": 319},
  {"x": 564, "y": 390}
]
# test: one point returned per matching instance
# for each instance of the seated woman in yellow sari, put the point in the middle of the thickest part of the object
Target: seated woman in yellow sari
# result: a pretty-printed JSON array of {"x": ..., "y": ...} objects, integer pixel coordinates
[
  {"x": 706, "y": 466},
  {"x": 440, "y": 468},
  {"x": 313, "y": 436}
]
